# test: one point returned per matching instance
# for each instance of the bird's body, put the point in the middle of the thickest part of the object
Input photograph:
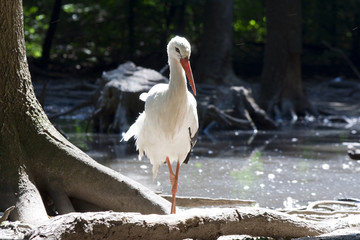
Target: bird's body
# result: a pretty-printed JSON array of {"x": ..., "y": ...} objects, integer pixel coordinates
[{"x": 168, "y": 127}]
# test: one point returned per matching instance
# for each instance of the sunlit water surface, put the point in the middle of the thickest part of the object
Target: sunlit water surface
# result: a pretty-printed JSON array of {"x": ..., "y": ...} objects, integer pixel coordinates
[{"x": 282, "y": 169}]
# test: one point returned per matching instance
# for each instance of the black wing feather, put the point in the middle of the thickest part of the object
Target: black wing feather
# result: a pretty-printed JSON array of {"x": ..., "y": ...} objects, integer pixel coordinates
[{"x": 193, "y": 141}]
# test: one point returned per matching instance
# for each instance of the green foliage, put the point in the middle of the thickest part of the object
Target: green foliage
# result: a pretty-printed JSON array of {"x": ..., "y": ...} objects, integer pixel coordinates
[
  {"x": 335, "y": 22},
  {"x": 36, "y": 24},
  {"x": 104, "y": 32},
  {"x": 249, "y": 21}
]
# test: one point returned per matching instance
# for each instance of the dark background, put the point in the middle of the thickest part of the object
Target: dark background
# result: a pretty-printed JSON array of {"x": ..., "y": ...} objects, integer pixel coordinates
[{"x": 93, "y": 36}]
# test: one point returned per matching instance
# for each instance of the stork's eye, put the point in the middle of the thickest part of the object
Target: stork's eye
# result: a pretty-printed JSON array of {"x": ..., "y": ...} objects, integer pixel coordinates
[{"x": 177, "y": 50}]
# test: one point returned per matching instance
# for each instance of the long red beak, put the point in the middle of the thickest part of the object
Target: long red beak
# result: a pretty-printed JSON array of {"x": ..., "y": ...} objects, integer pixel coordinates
[{"x": 186, "y": 66}]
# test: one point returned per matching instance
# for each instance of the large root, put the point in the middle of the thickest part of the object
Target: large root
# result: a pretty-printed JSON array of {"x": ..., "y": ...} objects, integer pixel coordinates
[
  {"x": 198, "y": 223},
  {"x": 60, "y": 178},
  {"x": 194, "y": 223}
]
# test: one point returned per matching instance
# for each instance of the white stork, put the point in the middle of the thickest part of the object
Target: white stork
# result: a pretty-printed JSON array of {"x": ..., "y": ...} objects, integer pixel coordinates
[{"x": 167, "y": 130}]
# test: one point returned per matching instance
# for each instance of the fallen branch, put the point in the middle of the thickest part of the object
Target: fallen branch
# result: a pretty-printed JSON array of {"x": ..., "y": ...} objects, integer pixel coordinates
[{"x": 75, "y": 108}]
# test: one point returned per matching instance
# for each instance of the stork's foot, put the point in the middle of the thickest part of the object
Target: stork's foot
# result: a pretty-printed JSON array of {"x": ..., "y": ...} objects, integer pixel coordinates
[{"x": 174, "y": 178}]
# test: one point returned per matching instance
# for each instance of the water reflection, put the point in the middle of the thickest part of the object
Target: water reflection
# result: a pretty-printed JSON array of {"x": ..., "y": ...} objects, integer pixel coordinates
[{"x": 277, "y": 169}]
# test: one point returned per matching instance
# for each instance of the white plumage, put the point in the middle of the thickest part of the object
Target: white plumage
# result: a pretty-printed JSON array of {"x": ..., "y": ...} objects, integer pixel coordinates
[{"x": 169, "y": 125}]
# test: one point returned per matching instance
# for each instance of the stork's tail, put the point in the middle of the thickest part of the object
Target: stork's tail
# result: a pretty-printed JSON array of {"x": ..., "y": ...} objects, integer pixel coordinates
[
  {"x": 134, "y": 129},
  {"x": 129, "y": 134}
]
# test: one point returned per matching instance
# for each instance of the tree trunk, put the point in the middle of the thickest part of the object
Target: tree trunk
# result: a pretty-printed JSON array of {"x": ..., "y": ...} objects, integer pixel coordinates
[
  {"x": 131, "y": 26},
  {"x": 281, "y": 81},
  {"x": 36, "y": 162},
  {"x": 46, "y": 47},
  {"x": 214, "y": 63}
]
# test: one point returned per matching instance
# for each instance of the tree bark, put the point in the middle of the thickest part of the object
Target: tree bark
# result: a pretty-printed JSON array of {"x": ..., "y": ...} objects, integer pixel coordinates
[
  {"x": 196, "y": 223},
  {"x": 214, "y": 63},
  {"x": 199, "y": 223},
  {"x": 36, "y": 161},
  {"x": 281, "y": 81}
]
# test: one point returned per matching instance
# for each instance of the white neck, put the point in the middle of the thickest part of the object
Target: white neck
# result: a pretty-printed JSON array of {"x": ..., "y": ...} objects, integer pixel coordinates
[{"x": 177, "y": 77}]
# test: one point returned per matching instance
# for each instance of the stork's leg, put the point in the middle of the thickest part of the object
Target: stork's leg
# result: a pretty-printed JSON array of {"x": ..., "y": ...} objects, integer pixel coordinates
[{"x": 174, "y": 183}]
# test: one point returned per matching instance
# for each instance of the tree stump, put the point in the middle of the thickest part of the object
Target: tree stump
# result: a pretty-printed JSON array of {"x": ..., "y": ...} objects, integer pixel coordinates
[{"x": 118, "y": 104}]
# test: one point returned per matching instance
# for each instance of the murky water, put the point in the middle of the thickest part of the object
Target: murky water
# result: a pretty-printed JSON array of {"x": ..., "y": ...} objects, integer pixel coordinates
[{"x": 282, "y": 169}]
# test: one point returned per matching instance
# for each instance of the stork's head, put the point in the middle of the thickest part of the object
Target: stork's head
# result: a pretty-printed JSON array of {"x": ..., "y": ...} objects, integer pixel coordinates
[{"x": 179, "y": 49}]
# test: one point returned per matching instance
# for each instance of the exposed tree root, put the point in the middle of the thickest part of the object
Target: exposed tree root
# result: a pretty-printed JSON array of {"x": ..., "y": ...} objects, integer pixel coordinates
[
  {"x": 325, "y": 210},
  {"x": 338, "y": 237},
  {"x": 41, "y": 172},
  {"x": 70, "y": 174},
  {"x": 309, "y": 212},
  {"x": 203, "y": 201},
  {"x": 45, "y": 168},
  {"x": 194, "y": 223},
  {"x": 200, "y": 223},
  {"x": 319, "y": 204}
]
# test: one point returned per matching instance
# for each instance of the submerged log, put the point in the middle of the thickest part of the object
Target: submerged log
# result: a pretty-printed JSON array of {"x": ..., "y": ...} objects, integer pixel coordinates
[
  {"x": 221, "y": 117},
  {"x": 244, "y": 102},
  {"x": 242, "y": 113}
]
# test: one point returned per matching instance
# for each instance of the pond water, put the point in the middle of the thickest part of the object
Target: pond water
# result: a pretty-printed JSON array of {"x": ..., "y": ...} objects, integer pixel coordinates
[{"x": 280, "y": 169}]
